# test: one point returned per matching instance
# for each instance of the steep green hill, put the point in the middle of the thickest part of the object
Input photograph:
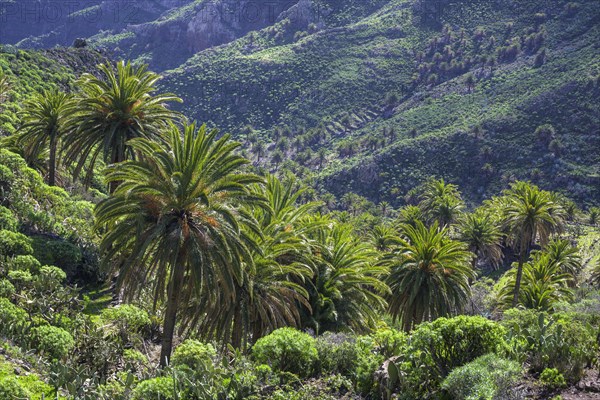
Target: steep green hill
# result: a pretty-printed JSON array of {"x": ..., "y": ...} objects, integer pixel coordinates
[{"x": 406, "y": 67}]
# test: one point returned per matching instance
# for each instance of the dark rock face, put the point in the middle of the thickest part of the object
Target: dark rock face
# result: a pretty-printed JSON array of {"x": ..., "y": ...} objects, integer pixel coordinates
[{"x": 164, "y": 32}]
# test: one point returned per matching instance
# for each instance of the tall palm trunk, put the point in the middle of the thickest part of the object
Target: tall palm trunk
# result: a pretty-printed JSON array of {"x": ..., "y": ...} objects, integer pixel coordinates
[
  {"x": 525, "y": 243},
  {"x": 52, "y": 160},
  {"x": 171, "y": 314}
]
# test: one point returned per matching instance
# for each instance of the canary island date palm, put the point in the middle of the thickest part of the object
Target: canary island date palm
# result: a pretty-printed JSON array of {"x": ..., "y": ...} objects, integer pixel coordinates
[
  {"x": 530, "y": 216},
  {"x": 428, "y": 275},
  {"x": 113, "y": 109},
  {"x": 543, "y": 283},
  {"x": 46, "y": 118},
  {"x": 441, "y": 202},
  {"x": 271, "y": 294},
  {"x": 346, "y": 291},
  {"x": 178, "y": 220},
  {"x": 481, "y": 231}
]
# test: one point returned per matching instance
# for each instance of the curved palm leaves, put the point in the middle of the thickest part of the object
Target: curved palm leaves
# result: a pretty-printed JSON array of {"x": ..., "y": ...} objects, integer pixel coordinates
[
  {"x": 429, "y": 275},
  {"x": 345, "y": 291},
  {"x": 4, "y": 86},
  {"x": 482, "y": 234},
  {"x": 441, "y": 202},
  {"x": 383, "y": 237},
  {"x": 45, "y": 119},
  {"x": 178, "y": 220},
  {"x": 271, "y": 294},
  {"x": 529, "y": 215},
  {"x": 543, "y": 284},
  {"x": 113, "y": 110}
]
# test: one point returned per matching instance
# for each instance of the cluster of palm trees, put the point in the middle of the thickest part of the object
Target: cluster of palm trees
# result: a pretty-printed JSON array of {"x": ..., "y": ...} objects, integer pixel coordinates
[
  {"x": 94, "y": 124},
  {"x": 232, "y": 255}
]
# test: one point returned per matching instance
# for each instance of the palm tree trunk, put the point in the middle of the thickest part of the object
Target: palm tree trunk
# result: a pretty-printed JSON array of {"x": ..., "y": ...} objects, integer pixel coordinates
[
  {"x": 522, "y": 256},
  {"x": 171, "y": 315},
  {"x": 52, "y": 161}
]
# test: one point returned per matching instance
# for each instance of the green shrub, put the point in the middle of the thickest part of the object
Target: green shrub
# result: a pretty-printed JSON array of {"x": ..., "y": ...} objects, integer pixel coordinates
[
  {"x": 51, "y": 277},
  {"x": 389, "y": 342},
  {"x": 26, "y": 263},
  {"x": 10, "y": 389},
  {"x": 125, "y": 320},
  {"x": 552, "y": 379},
  {"x": 559, "y": 341},
  {"x": 193, "y": 354},
  {"x": 7, "y": 220},
  {"x": 436, "y": 348},
  {"x": 20, "y": 279},
  {"x": 161, "y": 388},
  {"x": 11, "y": 316},
  {"x": 61, "y": 253},
  {"x": 287, "y": 350},
  {"x": 7, "y": 289},
  {"x": 134, "y": 360},
  {"x": 337, "y": 353},
  {"x": 486, "y": 377},
  {"x": 14, "y": 243},
  {"x": 367, "y": 363},
  {"x": 52, "y": 341}
]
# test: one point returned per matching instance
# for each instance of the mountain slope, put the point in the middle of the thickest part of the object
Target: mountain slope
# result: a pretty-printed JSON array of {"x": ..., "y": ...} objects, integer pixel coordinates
[{"x": 407, "y": 67}]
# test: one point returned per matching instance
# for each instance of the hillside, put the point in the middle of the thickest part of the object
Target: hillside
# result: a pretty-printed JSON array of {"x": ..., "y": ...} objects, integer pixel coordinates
[
  {"x": 404, "y": 69},
  {"x": 373, "y": 96}
]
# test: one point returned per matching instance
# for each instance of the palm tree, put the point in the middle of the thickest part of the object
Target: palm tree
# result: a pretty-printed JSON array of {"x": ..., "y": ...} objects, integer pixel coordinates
[
  {"x": 565, "y": 256},
  {"x": 383, "y": 237},
  {"x": 544, "y": 284},
  {"x": 441, "y": 202},
  {"x": 429, "y": 275},
  {"x": 271, "y": 294},
  {"x": 345, "y": 291},
  {"x": 529, "y": 215},
  {"x": 4, "y": 86},
  {"x": 45, "y": 119},
  {"x": 483, "y": 236},
  {"x": 113, "y": 110},
  {"x": 178, "y": 220}
]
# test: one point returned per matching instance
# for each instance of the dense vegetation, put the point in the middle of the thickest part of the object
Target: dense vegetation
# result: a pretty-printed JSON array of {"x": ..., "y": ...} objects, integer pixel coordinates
[{"x": 144, "y": 256}]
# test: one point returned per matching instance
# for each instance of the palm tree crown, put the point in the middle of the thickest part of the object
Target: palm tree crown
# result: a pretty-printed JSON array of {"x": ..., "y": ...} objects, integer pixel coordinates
[
  {"x": 45, "y": 120},
  {"x": 429, "y": 275},
  {"x": 529, "y": 215},
  {"x": 114, "y": 110},
  {"x": 178, "y": 222}
]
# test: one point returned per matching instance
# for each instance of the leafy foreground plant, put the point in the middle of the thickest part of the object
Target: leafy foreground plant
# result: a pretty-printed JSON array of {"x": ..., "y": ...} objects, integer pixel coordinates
[{"x": 177, "y": 220}]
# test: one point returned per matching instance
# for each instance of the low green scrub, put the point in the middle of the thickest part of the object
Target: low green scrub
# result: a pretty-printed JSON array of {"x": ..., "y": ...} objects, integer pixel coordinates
[
  {"x": 12, "y": 318},
  {"x": 488, "y": 377},
  {"x": 557, "y": 341},
  {"x": 287, "y": 350},
  {"x": 436, "y": 348},
  {"x": 53, "y": 342}
]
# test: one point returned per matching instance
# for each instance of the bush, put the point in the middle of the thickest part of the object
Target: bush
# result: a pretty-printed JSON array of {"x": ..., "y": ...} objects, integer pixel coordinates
[
  {"x": 126, "y": 320},
  {"x": 20, "y": 278},
  {"x": 287, "y": 350},
  {"x": 338, "y": 353},
  {"x": 552, "y": 379},
  {"x": 193, "y": 354},
  {"x": 11, "y": 316},
  {"x": 559, "y": 341},
  {"x": 7, "y": 220},
  {"x": 26, "y": 263},
  {"x": 436, "y": 348},
  {"x": 7, "y": 289},
  {"x": 10, "y": 388},
  {"x": 487, "y": 377},
  {"x": 161, "y": 388},
  {"x": 52, "y": 341},
  {"x": 51, "y": 277},
  {"x": 61, "y": 253},
  {"x": 14, "y": 243}
]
